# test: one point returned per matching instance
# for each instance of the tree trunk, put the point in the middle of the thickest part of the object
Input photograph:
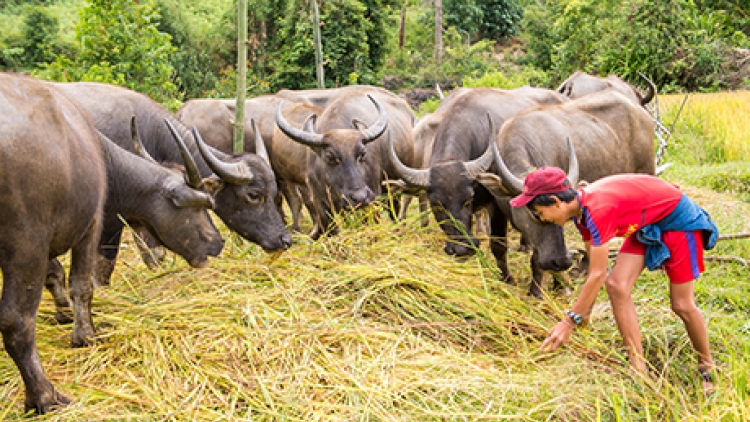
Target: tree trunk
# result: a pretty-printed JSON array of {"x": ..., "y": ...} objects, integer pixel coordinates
[
  {"x": 318, "y": 47},
  {"x": 439, "y": 30},
  {"x": 402, "y": 28}
]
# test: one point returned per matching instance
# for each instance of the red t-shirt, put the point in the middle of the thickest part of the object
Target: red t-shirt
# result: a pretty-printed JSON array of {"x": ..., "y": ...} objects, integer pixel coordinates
[{"x": 619, "y": 205}]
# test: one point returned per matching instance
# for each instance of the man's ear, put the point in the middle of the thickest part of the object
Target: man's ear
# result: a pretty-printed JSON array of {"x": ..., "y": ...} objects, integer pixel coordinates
[{"x": 494, "y": 184}]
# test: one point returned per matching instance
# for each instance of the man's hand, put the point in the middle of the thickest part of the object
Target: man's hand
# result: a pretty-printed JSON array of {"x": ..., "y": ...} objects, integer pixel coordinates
[{"x": 559, "y": 334}]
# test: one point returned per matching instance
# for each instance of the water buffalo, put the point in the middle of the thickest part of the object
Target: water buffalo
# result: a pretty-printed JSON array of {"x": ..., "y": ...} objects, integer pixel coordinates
[
  {"x": 609, "y": 133},
  {"x": 242, "y": 186},
  {"x": 580, "y": 84},
  {"x": 214, "y": 119},
  {"x": 144, "y": 193},
  {"x": 460, "y": 152},
  {"x": 53, "y": 178},
  {"x": 347, "y": 168}
]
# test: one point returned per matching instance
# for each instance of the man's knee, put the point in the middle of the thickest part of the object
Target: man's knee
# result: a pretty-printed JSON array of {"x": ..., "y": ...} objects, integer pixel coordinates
[
  {"x": 684, "y": 308},
  {"x": 617, "y": 286}
]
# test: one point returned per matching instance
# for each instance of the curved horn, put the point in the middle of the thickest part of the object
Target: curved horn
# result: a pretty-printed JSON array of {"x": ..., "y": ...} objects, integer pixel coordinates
[
  {"x": 481, "y": 164},
  {"x": 515, "y": 183},
  {"x": 234, "y": 173},
  {"x": 308, "y": 138},
  {"x": 415, "y": 177},
  {"x": 137, "y": 143},
  {"x": 379, "y": 126},
  {"x": 260, "y": 146},
  {"x": 194, "y": 177},
  {"x": 651, "y": 89},
  {"x": 572, "y": 164}
]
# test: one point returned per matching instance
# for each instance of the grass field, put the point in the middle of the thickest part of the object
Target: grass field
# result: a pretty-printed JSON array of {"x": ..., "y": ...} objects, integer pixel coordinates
[{"x": 378, "y": 324}]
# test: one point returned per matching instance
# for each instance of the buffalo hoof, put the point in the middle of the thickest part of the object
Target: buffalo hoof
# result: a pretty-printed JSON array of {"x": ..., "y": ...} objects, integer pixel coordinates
[
  {"x": 42, "y": 405},
  {"x": 82, "y": 338},
  {"x": 63, "y": 316},
  {"x": 153, "y": 257},
  {"x": 104, "y": 269}
]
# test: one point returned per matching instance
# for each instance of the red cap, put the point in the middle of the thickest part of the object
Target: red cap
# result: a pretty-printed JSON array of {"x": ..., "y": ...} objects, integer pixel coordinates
[{"x": 544, "y": 180}]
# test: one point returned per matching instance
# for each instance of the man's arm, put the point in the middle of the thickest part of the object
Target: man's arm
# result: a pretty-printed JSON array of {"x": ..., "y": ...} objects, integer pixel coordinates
[{"x": 597, "y": 275}]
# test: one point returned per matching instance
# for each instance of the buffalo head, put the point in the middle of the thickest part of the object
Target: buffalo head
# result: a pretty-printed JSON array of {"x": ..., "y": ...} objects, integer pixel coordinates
[
  {"x": 450, "y": 188},
  {"x": 340, "y": 158}
]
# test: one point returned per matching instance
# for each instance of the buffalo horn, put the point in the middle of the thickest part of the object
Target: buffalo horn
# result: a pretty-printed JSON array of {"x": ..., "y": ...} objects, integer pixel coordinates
[
  {"x": 260, "y": 147},
  {"x": 414, "y": 177},
  {"x": 137, "y": 144},
  {"x": 481, "y": 164},
  {"x": 509, "y": 178},
  {"x": 234, "y": 173},
  {"x": 194, "y": 177},
  {"x": 308, "y": 138},
  {"x": 572, "y": 164},
  {"x": 379, "y": 126},
  {"x": 651, "y": 89}
]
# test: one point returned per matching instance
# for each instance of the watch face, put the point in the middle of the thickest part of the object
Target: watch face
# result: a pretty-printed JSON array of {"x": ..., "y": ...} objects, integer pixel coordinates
[{"x": 575, "y": 317}]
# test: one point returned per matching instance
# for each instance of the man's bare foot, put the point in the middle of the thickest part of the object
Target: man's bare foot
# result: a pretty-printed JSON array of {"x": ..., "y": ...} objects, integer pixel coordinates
[{"x": 707, "y": 382}]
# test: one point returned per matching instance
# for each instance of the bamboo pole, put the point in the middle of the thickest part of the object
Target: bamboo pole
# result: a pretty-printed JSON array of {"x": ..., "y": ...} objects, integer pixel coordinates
[
  {"x": 239, "y": 117},
  {"x": 318, "y": 47}
]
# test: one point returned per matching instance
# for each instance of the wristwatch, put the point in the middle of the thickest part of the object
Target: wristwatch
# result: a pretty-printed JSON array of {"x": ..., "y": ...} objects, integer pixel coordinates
[{"x": 577, "y": 318}]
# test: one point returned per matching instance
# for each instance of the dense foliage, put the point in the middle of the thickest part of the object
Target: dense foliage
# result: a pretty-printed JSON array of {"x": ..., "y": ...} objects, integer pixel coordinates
[
  {"x": 177, "y": 50},
  {"x": 120, "y": 44}
]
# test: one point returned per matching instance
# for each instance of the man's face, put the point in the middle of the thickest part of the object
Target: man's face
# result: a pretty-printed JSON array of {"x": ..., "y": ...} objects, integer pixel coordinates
[{"x": 555, "y": 213}]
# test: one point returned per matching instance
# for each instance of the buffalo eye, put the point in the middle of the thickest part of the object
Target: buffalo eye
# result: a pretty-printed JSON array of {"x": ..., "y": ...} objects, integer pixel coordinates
[
  {"x": 361, "y": 156},
  {"x": 468, "y": 203},
  {"x": 254, "y": 197},
  {"x": 332, "y": 159}
]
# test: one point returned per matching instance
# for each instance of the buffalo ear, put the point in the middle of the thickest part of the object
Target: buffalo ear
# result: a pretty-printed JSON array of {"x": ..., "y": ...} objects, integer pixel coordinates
[
  {"x": 399, "y": 186},
  {"x": 359, "y": 124},
  {"x": 213, "y": 185},
  {"x": 494, "y": 184}
]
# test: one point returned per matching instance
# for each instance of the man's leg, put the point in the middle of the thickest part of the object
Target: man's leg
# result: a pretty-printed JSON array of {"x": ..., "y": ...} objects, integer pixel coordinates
[
  {"x": 683, "y": 304},
  {"x": 619, "y": 285}
]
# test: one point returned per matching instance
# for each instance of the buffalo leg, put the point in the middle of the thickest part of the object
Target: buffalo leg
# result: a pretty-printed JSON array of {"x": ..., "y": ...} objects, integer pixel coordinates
[
  {"x": 22, "y": 291},
  {"x": 499, "y": 244},
  {"x": 56, "y": 285},
  {"x": 109, "y": 247},
  {"x": 152, "y": 252},
  {"x": 537, "y": 276},
  {"x": 82, "y": 266}
]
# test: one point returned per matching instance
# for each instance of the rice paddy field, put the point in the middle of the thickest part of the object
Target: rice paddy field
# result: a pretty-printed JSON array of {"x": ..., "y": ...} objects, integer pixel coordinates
[{"x": 378, "y": 324}]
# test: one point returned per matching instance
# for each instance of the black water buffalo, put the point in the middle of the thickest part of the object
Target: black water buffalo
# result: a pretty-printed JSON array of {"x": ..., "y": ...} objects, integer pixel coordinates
[
  {"x": 609, "y": 133},
  {"x": 460, "y": 152},
  {"x": 346, "y": 167},
  {"x": 580, "y": 84},
  {"x": 53, "y": 178},
  {"x": 243, "y": 187},
  {"x": 157, "y": 198}
]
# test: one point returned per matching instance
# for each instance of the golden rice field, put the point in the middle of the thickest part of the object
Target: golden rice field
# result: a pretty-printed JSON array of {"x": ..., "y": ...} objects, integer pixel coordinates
[
  {"x": 715, "y": 124},
  {"x": 378, "y": 324}
]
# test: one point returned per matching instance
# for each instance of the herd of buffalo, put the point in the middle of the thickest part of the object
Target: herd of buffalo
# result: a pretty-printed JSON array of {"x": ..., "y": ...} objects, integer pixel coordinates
[{"x": 80, "y": 160}]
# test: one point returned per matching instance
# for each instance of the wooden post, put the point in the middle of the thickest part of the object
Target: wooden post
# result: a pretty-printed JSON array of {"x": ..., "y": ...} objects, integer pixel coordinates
[
  {"x": 318, "y": 47},
  {"x": 239, "y": 116}
]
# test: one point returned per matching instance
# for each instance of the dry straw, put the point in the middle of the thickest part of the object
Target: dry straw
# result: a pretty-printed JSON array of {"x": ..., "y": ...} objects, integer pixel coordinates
[{"x": 374, "y": 324}]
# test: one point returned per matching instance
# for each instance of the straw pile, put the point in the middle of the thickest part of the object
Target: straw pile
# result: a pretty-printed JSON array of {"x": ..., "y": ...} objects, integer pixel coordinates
[{"x": 376, "y": 324}]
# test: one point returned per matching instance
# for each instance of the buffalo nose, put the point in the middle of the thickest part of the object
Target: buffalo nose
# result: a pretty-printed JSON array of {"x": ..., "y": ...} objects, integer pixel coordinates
[
  {"x": 358, "y": 198},
  {"x": 286, "y": 241}
]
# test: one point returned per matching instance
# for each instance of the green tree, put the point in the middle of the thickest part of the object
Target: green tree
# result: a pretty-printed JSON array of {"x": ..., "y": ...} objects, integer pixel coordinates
[
  {"x": 120, "y": 44},
  {"x": 350, "y": 30}
]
